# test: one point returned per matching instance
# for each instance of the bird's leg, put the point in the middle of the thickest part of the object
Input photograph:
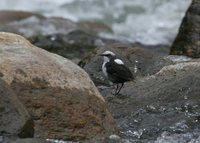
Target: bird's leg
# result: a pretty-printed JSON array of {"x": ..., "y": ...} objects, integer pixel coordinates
[
  {"x": 119, "y": 89},
  {"x": 115, "y": 89},
  {"x": 117, "y": 86}
]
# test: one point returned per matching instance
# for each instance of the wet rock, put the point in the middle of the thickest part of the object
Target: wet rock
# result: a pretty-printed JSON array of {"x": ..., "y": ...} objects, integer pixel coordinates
[
  {"x": 111, "y": 139},
  {"x": 75, "y": 45},
  {"x": 167, "y": 101},
  {"x": 187, "y": 41},
  {"x": 59, "y": 95},
  {"x": 140, "y": 59},
  {"x": 174, "y": 138},
  {"x": 14, "y": 118},
  {"x": 7, "y": 138}
]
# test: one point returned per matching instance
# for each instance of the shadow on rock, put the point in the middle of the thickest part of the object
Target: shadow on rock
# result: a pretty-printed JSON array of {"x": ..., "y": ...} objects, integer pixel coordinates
[{"x": 14, "y": 118}]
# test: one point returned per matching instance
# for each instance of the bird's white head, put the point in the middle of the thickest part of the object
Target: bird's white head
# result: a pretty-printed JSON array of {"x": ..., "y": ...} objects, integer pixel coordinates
[{"x": 107, "y": 55}]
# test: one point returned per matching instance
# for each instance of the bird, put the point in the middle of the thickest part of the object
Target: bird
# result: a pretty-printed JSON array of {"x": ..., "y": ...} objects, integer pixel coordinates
[{"x": 115, "y": 70}]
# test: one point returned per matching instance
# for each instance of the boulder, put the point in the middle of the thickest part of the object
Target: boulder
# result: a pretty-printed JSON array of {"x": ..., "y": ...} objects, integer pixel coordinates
[
  {"x": 14, "y": 118},
  {"x": 58, "y": 94},
  {"x": 187, "y": 41}
]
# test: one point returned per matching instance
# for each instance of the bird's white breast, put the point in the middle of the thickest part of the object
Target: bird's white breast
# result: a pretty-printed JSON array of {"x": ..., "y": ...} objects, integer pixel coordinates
[{"x": 104, "y": 69}]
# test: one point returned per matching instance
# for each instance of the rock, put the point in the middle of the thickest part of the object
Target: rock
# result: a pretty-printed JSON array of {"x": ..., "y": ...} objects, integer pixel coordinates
[
  {"x": 7, "y": 138},
  {"x": 187, "y": 41},
  {"x": 140, "y": 59},
  {"x": 167, "y": 101},
  {"x": 75, "y": 45},
  {"x": 59, "y": 95},
  {"x": 14, "y": 118},
  {"x": 175, "y": 138}
]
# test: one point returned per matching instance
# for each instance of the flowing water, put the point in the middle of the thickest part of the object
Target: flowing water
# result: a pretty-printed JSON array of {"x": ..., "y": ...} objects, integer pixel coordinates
[{"x": 145, "y": 21}]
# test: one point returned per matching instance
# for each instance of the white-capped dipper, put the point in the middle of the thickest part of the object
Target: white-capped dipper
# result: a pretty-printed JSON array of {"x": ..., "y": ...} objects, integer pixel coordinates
[{"x": 115, "y": 70}]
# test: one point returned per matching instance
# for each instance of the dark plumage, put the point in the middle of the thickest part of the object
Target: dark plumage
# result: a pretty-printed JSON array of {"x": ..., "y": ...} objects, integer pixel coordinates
[{"x": 115, "y": 70}]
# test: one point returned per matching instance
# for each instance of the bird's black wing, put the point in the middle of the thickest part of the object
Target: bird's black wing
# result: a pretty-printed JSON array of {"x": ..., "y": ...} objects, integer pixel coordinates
[{"x": 119, "y": 72}]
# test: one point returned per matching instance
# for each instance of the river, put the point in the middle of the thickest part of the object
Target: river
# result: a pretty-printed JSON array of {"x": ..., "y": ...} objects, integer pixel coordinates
[{"x": 149, "y": 22}]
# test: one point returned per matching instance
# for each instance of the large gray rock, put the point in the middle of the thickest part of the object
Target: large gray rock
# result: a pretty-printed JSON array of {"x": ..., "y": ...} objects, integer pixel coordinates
[
  {"x": 59, "y": 95},
  {"x": 187, "y": 41},
  {"x": 14, "y": 118}
]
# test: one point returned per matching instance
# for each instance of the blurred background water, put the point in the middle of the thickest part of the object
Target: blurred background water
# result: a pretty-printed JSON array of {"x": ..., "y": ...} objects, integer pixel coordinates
[{"x": 147, "y": 21}]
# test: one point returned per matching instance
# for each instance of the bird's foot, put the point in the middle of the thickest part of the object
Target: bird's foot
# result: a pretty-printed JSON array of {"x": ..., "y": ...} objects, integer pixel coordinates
[{"x": 115, "y": 93}]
